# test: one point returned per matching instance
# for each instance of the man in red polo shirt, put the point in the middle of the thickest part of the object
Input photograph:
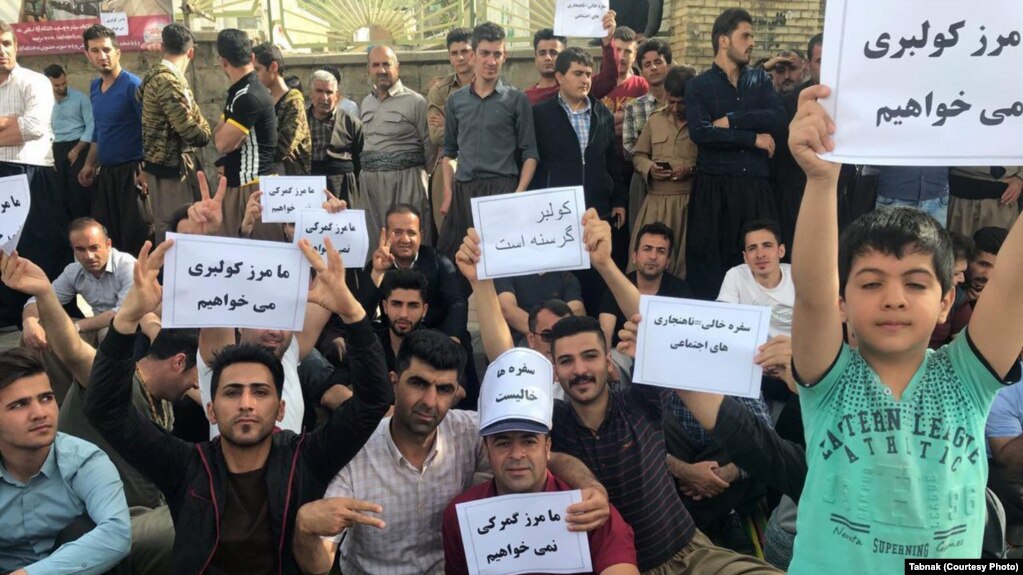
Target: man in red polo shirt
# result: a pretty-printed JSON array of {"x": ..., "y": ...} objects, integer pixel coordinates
[{"x": 516, "y": 436}]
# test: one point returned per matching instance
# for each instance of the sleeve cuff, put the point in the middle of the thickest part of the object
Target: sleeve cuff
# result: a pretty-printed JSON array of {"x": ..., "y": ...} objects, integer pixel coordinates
[
  {"x": 360, "y": 334},
  {"x": 1010, "y": 378},
  {"x": 118, "y": 345}
]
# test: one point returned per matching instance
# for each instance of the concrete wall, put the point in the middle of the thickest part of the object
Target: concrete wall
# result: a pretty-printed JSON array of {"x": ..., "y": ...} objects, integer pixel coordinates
[{"x": 777, "y": 25}]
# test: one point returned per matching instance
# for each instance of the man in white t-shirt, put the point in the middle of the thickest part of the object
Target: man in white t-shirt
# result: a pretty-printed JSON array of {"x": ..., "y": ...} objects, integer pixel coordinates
[{"x": 764, "y": 280}]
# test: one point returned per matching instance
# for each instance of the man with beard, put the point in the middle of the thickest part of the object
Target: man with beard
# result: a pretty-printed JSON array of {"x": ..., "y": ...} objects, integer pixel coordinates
[
  {"x": 630, "y": 86},
  {"x": 293, "y": 153},
  {"x": 986, "y": 243},
  {"x": 415, "y": 462},
  {"x": 234, "y": 500},
  {"x": 786, "y": 71},
  {"x": 654, "y": 244},
  {"x": 460, "y": 57},
  {"x": 72, "y": 136},
  {"x": 615, "y": 433},
  {"x": 654, "y": 58},
  {"x": 397, "y": 144},
  {"x": 732, "y": 111},
  {"x": 547, "y": 46},
  {"x": 336, "y": 136}
]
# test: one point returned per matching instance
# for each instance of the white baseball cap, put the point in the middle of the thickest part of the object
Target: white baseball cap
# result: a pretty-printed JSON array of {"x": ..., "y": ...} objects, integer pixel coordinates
[{"x": 516, "y": 393}]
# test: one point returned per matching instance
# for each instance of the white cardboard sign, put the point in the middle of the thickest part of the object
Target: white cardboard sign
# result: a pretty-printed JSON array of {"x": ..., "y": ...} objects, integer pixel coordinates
[
  {"x": 580, "y": 18},
  {"x": 346, "y": 229},
  {"x": 284, "y": 196}
]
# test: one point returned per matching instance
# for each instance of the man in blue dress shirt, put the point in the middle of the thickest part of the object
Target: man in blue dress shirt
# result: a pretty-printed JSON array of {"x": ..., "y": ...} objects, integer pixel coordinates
[{"x": 72, "y": 135}]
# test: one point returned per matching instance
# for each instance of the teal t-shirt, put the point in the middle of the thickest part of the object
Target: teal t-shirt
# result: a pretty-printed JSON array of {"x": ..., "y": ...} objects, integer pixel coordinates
[{"x": 890, "y": 480}]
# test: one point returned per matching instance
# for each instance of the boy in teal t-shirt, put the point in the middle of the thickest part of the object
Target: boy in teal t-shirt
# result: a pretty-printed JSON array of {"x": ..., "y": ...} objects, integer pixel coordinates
[{"x": 894, "y": 431}]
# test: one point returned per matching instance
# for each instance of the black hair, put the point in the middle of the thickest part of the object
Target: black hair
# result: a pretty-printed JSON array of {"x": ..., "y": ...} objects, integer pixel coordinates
[
  {"x": 625, "y": 34},
  {"x": 176, "y": 39},
  {"x": 570, "y": 56},
  {"x": 815, "y": 40},
  {"x": 234, "y": 46},
  {"x": 85, "y": 222},
  {"x": 99, "y": 32},
  {"x": 293, "y": 83},
  {"x": 170, "y": 342},
  {"x": 54, "y": 71},
  {"x": 574, "y": 325},
  {"x": 656, "y": 229},
  {"x": 487, "y": 32},
  {"x": 547, "y": 34},
  {"x": 556, "y": 306},
  {"x": 433, "y": 348},
  {"x": 458, "y": 35},
  {"x": 655, "y": 45},
  {"x": 402, "y": 279},
  {"x": 962, "y": 246},
  {"x": 757, "y": 225},
  {"x": 18, "y": 363},
  {"x": 267, "y": 54},
  {"x": 989, "y": 239},
  {"x": 896, "y": 232},
  {"x": 726, "y": 23},
  {"x": 247, "y": 353},
  {"x": 676, "y": 79},
  {"x": 402, "y": 208}
]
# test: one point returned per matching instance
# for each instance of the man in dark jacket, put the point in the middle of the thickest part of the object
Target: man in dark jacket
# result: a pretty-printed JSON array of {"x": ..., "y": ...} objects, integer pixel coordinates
[
  {"x": 234, "y": 499},
  {"x": 576, "y": 139}
]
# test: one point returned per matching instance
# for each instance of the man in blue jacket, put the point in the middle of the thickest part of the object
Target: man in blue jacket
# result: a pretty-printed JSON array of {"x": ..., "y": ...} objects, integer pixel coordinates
[
  {"x": 576, "y": 139},
  {"x": 234, "y": 499}
]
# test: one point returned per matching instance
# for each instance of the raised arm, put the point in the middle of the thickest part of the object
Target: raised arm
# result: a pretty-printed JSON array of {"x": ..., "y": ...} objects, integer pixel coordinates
[
  {"x": 607, "y": 79},
  {"x": 330, "y": 448},
  {"x": 494, "y": 331},
  {"x": 816, "y": 323},
  {"x": 26, "y": 277},
  {"x": 316, "y": 316},
  {"x": 597, "y": 239}
]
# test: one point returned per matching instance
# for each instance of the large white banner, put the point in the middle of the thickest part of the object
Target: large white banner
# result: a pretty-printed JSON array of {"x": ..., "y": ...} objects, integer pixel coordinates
[{"x": 924, "y": 82}]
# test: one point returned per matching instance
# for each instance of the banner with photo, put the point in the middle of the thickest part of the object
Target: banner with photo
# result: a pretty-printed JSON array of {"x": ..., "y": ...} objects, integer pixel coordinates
[{"x": 56, "y": 26}]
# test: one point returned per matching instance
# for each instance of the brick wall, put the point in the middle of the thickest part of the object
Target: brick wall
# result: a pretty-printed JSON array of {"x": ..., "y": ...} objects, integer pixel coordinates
[{"x": 777, "y": 25}]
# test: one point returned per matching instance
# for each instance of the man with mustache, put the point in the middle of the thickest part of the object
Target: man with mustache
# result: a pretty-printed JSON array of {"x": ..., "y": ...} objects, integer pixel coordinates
[
  {"x": 415, "y": 462},
  {"x": 786, "y": 70},
  {"x": 397, "y": 145},
  {"x": 732, "y": 111},
  {"x": 987, "y": 242}
]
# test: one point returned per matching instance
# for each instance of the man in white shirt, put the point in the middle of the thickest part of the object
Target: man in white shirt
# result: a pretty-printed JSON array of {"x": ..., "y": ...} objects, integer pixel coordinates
[
  {"x": 413, "y": 465},
  {"x": 26, "y": 141}
]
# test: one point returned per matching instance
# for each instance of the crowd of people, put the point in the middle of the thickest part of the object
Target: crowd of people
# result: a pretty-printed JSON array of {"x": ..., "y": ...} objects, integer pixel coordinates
[{"x": 126, "y": 447}]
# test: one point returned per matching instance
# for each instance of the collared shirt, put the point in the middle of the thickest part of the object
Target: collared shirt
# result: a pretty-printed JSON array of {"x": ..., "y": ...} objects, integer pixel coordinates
[
  {"x": 628, "y": 456},
  {"x": 580, "y": 120},
  {"x": 912, "y": 183},
  {"x": 320, "y": 131},
  {"x": 435, "y": 100},
  {"x": 72, "y": 118},
  {"x": 413, "y": 500},
  {"x": 27, "y": 96},
  {"x": 636, "y": 114},
  {"x": 76, "y": 479},
  {"x": 396, "y": 124},
  {"x": 488, "y": 134},
  {"x": 752, "y": 107},
  {"x": 103, "y": 293},
  {"x": 118, "y": 115},
  {"x": 695, "y": 432}
]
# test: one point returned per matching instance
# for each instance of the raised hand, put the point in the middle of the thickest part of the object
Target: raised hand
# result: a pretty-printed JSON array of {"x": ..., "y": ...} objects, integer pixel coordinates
[
  {"x": 810, "y": 134},
  {"x": 597, "y": 239},
  {"x": 331, "y": 204},
  {"x": 329, "y": 289},
  {"x": 146, "y": 293},
  {"x": 208, "y": 213},
  {"x": 330, "y": 516},
  {"x": 468, "y": 255},
  {"x": 627, "y": 336},
  {"x": 22, "y": 275}
]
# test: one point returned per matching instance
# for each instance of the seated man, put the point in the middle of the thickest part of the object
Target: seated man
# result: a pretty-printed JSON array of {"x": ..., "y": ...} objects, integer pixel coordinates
[
  {"x": 520, "y": 294},
  {"x": 163, "y": 376},
  {"x": 255, "y": 478},
  {"x": 518, "y": 444},
  {"x": 53, "y": 487},
  {"x": 1004, "y": 433},
  {"x": 100, "y": 274},
  {"x": 415, "y": 462},
  {"x": 654, "y": 244}
]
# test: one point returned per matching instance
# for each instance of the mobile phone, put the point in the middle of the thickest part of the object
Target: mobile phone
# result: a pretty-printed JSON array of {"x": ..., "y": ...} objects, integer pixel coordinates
[{"x": 663, "y": 165}]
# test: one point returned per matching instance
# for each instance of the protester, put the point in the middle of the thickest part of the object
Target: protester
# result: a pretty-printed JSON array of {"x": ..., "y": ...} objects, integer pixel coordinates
[
  {"x": 1005, "y": 457},
  {"x": 983, "y": 196},
  {"x": 522, "y": 293},
  {"x": 959, "y": 316},
  {"x": 547, "y": 47},
  {"x": 654, "y": 58},
  {"x": 786, "y": 70},
  {"x": 987, "y": 242},
  {"x": 630, "y": 85},
  {"x": 72, "y": 135},
  {"x": 923, "y": 188},
  {"x": 336, "y": 137},
  {"x": 461, "y": 59},
  {"x": 292, "y": 155}
]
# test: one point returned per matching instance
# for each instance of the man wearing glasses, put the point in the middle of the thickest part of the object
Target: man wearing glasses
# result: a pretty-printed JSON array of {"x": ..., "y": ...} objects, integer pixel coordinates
[{"x": 519, "y": 295}]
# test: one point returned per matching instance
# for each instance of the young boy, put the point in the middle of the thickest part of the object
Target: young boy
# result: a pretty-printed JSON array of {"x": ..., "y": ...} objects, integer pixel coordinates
[{"x": 894, "y": 432}]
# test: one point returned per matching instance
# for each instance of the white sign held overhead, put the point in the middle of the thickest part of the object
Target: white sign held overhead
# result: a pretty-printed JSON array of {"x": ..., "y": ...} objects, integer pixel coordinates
[
  {"x": 228, "y": 282},
  {"x": 116, "y": 21},
  {"x": 284, "y": 196},
  {"x": 524, "y": 533},
  {"x": 346, "y": 230},
  {"x": 15, "y": 203},
  {"x": 580, "y": 18},
  {"x": 700, "y": 345},
  {"x": 530, "y": 232},
  {"x": 927, "y": 84}
]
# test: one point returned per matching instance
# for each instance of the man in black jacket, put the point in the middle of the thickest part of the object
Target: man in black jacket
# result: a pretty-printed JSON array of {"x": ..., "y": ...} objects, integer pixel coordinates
[
  {"x": 234, "y": 499},
  {"x": 576, "y": 138}
]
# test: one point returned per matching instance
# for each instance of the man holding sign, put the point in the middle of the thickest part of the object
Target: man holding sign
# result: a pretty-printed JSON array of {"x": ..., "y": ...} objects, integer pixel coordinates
[{"x": 515, "y": 424}]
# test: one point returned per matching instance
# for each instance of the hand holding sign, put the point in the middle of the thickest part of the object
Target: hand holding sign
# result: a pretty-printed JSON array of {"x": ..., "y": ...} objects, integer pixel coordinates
[
  {"x": 582, "y": 18},
  {"x": 346, "y": 229},
  {"x": 597, "y": 239},
  {"x": 810, "y": 134},
  {"x": 284, "y": 196},
  {"x": 468, "y": 256}
]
